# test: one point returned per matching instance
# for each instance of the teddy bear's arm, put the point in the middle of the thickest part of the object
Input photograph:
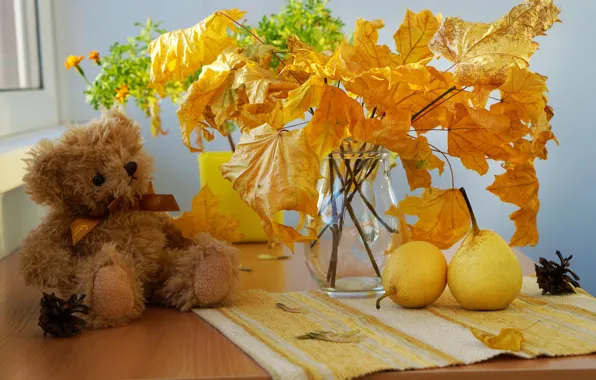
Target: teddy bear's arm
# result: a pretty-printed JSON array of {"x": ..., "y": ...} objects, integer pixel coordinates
[
  {"x": 46, "y": 255},
  {"x": 174, "y": 237}
]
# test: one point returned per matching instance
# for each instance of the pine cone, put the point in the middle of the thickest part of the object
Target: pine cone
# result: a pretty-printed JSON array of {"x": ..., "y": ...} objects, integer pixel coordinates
[
  {"x": 554, "y": 277},
  {"x": 57, "y": 317}
]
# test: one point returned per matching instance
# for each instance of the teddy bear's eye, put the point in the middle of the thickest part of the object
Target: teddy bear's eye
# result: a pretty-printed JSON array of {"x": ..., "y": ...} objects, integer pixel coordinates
[{"x": 98, "y": 179}]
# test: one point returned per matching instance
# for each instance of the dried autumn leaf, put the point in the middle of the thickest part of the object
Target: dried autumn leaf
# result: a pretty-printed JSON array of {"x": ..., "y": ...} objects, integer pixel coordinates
[
  {"x": 385, "y": 132},
  {"x": 333, "y": 119},
  {"x": 205, "y": 217},
  {"x": 469, "y": 140},
  {"x": 330, "y": 336},
  {"x": 301, "y": 99},
  {"x": 275, "y": 170},
  {"x": 443, "y": 217},
  {"x": 518, "y": 185},
  {"x": 258, "y": 82},
  {"x": 542, "y": 133},
  {"x": 439, "y": 84},
  {"x": 509, "y": 339},
  {"x": 295, "y": 310},
  {"x": 367, "y": 53},
  {"x": 255, "y": 115},
  {"x": 177, "y": 55},
  {"x": 526, "y": 228},
  {"x": 414, "y": 34},
  {"x": 305, "y": 61},
  {"x": 522, "y": 93},
  {"x": 417, "y": 170},
  {"x": 213, "y": 82},
  {"x": 483, "y": 52},
  {"x": 223, "y": 104},
  {"x": 262, "y": 54}
]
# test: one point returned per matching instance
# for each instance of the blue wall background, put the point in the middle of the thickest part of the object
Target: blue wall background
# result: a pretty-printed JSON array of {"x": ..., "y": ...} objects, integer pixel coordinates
[{"x": 567, "y": 218}]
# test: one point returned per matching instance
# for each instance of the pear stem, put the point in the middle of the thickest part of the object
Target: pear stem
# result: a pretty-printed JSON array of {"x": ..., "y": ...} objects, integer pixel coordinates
[
  {"x": 387, "y": 294},
  {"x": 472, "y": 216}
]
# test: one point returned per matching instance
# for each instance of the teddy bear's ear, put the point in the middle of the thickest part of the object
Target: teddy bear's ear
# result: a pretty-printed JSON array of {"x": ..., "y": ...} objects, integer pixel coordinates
[
  {"x": 42, "y": 177},
  {"x": 116, "y": 112}
]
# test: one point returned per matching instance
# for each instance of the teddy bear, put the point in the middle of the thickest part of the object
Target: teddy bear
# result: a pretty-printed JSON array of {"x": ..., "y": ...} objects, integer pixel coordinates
[{"x": 129, "y": 256}]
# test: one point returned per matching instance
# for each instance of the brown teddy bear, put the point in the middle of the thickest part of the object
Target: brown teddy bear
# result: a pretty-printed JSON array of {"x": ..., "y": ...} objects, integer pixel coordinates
[{"x": 126, "y": 255}]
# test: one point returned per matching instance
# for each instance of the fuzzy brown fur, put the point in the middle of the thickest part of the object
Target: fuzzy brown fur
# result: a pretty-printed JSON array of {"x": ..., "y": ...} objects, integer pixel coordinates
[{"x": 160, "y": 265}]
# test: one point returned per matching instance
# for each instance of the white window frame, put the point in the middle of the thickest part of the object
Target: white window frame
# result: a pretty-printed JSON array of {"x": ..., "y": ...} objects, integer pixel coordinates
[{"x": 27, "y": 110}]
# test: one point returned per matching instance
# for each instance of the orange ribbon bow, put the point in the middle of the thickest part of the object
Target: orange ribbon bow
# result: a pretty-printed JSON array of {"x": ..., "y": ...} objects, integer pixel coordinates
[{"x": 147, "y": 202}]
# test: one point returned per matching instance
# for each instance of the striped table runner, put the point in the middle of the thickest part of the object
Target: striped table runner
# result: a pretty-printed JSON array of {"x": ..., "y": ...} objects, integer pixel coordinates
[{"x": 394, "y": 338}]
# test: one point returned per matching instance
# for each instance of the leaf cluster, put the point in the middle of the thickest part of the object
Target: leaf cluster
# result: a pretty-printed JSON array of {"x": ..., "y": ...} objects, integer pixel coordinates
[{"x": 489, "y": 106}]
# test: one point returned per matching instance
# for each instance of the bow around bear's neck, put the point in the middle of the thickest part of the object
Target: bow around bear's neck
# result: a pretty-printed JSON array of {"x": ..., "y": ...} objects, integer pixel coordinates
[{"x": 146, "y": 202}]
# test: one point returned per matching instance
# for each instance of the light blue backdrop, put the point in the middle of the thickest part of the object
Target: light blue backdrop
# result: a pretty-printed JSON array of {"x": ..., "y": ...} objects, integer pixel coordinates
[{"x": 568, "y": 215}]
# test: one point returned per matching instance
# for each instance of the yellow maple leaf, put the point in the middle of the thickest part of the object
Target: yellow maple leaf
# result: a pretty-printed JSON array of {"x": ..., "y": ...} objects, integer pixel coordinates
[
  {"x": 542, "y": 133},
  {"x": 305, "y": 61},
  {"x": 178, "y": 54},
  {"x": 260, "y": 53},
  {"x": 255, "y": 115},
  {"x": 205, "y": 217},
  {"x": 414, "y": 34},
  {"x": 417, "y": 169},
  {"x": 274, "y": 170},
  {"x": 333, "y": 119},
  {"x": 214, "y": 81},
  {"x": 518, "y": 185},
  {"x": 483, "y": 52},
  {"x": 469, "y": 140},
  {"x": 526, "y": 228},
  {"x": 509, "y": 339},
  {"x": 386, "y": 132},
  {"x": 367, "y": 53},
  {"x": 523, "y": 93},
  {"x": 259, "y": 82},
  {"x": 301, "y": 99},
  {"x": 443, "y": 217}
]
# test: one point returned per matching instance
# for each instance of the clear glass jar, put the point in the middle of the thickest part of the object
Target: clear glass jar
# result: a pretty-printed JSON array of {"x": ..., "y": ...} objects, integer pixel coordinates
[{"x": 354, "y": 231}]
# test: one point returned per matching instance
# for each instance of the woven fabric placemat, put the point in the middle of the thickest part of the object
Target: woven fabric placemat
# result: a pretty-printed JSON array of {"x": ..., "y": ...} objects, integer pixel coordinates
[{"x": 394, "y": 338}]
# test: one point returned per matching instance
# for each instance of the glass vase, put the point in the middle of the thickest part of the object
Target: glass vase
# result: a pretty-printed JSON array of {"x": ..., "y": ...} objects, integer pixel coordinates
[{"x": 354, "y": 233}]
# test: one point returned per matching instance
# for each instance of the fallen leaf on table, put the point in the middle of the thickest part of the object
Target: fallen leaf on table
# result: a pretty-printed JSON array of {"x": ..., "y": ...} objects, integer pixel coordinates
[
  {"x": 330, "y": 336},
  {"x": 271, "y": 257},
  {"x": 244, "y": 269},
  {"x": 509, "y": 339},
  {"x": 290, "y": 309}
]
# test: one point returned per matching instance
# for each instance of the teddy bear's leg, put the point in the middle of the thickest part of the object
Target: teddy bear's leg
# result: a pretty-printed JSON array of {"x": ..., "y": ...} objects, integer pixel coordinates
[
  {"x": 113, "y": 290},
  {"x": 205, "y": 274}
]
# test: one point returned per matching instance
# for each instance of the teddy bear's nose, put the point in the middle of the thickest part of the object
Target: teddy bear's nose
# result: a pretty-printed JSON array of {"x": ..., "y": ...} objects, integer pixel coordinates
[{"x": 130, "y": 167}]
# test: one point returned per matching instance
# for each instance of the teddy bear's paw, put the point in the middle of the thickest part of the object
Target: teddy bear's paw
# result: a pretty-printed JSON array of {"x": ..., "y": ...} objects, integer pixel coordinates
[
  {"x": 112, "y": 294},
  {"x": 214, "y": 277},
  {"x": 204, "y": 275}
]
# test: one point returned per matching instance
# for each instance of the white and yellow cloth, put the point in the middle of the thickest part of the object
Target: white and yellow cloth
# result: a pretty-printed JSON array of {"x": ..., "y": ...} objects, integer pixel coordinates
[{"x": 394, "y": 338}]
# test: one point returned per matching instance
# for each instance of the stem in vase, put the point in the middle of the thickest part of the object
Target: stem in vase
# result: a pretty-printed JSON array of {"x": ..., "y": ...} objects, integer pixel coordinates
[
  {"x": 363, "y": 237},
  {"x": 331, "y": 271}
]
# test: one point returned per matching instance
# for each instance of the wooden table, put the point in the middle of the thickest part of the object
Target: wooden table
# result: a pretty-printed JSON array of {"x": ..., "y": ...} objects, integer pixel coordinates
[{"x": 167, "y": 344}]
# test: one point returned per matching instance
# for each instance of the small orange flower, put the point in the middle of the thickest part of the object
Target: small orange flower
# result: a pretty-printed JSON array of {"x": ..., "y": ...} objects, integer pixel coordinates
[
  {"x": 122, "y": 93},
  {"x": 73, "y": 61},
  {"x": 94, "y": 56}
]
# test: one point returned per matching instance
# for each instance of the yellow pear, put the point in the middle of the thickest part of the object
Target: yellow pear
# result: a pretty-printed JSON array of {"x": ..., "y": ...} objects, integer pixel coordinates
[
  {"x": 415, "y": 275},
  {"x": 484, "y": 274}
]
